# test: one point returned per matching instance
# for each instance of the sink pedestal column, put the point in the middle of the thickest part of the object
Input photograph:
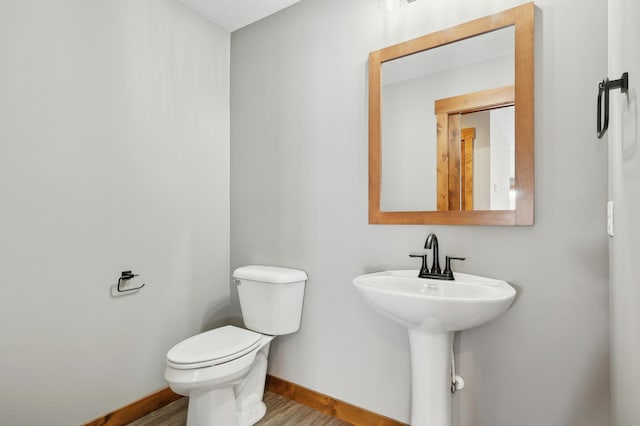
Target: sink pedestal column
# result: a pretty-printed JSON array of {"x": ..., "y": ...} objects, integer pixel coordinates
[{"x": 431, "y": 378}]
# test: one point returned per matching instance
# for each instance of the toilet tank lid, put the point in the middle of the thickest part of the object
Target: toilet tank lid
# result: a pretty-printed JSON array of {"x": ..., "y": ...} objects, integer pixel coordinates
[{"x": 269, "y": 274}]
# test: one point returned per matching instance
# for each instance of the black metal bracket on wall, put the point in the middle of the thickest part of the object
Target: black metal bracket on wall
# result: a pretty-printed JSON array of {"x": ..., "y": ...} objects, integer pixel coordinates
[
  {"x": 603, "y": 88},
  {"x": 124, "y": 277}
]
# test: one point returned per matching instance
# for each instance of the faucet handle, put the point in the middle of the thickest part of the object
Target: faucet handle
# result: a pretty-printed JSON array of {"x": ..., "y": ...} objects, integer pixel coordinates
[
  {"x": 423, "y": 270},
  {"x": 447, "y": 266}
]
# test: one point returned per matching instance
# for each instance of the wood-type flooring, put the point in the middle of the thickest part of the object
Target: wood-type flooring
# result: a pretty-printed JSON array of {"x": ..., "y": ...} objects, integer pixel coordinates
[{"x": 281, "y": 411}]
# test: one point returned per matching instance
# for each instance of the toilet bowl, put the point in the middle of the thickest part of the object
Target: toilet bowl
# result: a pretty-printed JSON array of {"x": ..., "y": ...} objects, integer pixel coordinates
[{"x": 223, "y": 371}]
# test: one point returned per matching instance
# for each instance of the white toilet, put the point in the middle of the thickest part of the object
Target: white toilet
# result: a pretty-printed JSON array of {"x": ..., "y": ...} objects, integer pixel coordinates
[{"x": 223, "y": 371}]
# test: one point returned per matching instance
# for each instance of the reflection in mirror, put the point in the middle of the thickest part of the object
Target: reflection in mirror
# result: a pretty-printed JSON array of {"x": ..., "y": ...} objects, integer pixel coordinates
[
  {"x": 456, "y": 118},
  {"x": 410, "y": 87},
  {"x": 487, "y": 156}
]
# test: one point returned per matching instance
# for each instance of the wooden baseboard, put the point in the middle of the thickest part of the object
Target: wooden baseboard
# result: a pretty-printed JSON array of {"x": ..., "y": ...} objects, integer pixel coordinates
[
  {"x": 328, "y": 405},
  {"x": 137, "y": 409},
  {"x": 323, "y": 403}
]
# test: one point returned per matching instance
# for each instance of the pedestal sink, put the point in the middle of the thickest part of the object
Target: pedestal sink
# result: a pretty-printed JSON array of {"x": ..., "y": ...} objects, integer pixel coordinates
[{"x": 432, "y": 310}]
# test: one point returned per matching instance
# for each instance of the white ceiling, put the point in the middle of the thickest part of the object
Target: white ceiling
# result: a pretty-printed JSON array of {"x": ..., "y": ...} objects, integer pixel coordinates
[{"x": 234, "y": 14}]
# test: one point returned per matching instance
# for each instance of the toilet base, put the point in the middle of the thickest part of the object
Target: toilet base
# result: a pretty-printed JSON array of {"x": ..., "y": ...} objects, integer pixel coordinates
[
  {"x": 231, "y": 400},
  {"x": 253, "y": 415},
  {"x": 250, "y": 392},
  {"x": 215, "y": 407},
  {"x": 218, "y": 408}
]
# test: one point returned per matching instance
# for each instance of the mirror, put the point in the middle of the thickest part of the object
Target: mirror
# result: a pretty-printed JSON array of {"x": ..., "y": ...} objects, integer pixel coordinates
[{"x": 451, "y": 125}]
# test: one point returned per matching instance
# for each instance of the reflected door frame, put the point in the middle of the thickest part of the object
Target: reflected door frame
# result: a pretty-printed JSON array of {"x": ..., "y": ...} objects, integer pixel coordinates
[
  {"x": 449, "y": 167},
  {"x": 467, "y": 136}
]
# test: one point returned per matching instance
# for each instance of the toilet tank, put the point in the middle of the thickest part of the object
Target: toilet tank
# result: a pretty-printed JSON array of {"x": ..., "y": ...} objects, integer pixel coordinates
[{"x": 270, "y": 298}]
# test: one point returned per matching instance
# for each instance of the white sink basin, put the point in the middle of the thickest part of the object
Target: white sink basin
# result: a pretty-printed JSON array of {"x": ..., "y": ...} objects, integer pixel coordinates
[
  {"x": 432, "y": 310},
  {"x": 435, "y": 306}
]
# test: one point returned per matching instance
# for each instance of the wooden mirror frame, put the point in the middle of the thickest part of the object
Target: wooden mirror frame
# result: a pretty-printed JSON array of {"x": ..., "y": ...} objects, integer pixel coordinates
[{"x": 522, "y": 19}]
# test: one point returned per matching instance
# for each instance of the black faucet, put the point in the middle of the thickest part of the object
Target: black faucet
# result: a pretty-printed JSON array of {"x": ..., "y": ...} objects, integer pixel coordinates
[
  {"x": 432, "y": 243},
  {"x": 435, "y": 272}
]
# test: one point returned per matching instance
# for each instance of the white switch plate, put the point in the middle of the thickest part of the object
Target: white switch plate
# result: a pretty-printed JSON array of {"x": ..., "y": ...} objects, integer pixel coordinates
[{"x": 610, "y": 218}]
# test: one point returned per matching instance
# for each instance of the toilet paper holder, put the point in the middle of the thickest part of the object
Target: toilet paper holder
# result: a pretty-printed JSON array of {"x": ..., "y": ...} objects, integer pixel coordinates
[{"x": 126, "y": 276}]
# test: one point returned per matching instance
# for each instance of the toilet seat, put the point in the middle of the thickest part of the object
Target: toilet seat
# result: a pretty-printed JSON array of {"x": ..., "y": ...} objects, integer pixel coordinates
[{"x": 213, "y": 347}]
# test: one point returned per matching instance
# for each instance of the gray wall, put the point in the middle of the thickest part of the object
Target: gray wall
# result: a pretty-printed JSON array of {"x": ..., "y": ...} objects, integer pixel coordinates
[
  {"x": 114, "y": 155},
  {"x": 299, "y": 199},
  {"x": 624, "y": 181}
]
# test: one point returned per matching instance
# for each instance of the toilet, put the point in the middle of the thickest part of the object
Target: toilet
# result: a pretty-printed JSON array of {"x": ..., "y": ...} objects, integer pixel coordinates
[{"x": 223, "y": 371}]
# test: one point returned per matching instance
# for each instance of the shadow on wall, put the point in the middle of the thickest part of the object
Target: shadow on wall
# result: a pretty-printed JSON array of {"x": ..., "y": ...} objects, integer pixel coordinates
[
  {"x": 630, "y": 128},
  {"x": 217, "y": 315}
]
